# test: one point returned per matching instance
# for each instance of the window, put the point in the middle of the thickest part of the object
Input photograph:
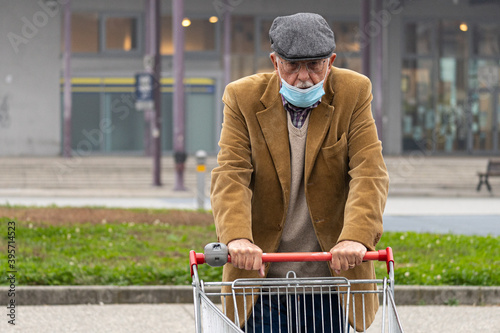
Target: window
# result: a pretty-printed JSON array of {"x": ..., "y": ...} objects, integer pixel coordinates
[
  {"x": 346, "y": 37},
  {"x": 167, "y": 41},
  {"x": 242, "y": 46},
  {"x": 93, "y": 33},
  {"x": 242, "y": 39},
  {"x": 453, "y": 39},
  {"x": 347, "y": 44},
  {"x": 487, "y": 39},
  {"x": 84, "y": 33},
  {"x": 418, "y": 38},
  {"x": 121, "y": 34},
  {"x": 265, "y": 44},
  {"x": 199, "y": 34}
]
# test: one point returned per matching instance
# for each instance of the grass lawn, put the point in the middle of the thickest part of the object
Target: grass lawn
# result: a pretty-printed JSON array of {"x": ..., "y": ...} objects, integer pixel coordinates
[{"x": 150, "y": 247}]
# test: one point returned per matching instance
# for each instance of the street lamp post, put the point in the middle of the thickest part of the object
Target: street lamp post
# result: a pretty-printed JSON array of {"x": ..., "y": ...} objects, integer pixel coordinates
[
  {"x": 178, "y": 104},
  {"x": 67, "y": 80}
]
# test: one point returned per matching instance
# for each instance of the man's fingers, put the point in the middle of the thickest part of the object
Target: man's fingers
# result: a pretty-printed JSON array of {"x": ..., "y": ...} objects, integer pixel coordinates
[
  {"x": 340, "y": 262},
  {"x": 359, "y": 260},
  {"x": 257, "y": 263},
  {"x": 235, "y": 260},
  {"x": 249, "y": 262},
  {"x": 347, "y": 255},
  {"x": 245, "y": 255},
  {"x": 344, "y": 264},
  {"x": 335, "y": 263}
]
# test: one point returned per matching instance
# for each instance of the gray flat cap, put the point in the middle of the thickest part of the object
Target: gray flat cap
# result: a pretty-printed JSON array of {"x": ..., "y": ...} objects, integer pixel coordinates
[{"x": 302, "y": 36}]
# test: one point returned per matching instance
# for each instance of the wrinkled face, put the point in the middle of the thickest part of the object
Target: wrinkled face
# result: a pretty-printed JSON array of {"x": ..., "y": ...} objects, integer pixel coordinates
[{"x": 302, "y": 74}]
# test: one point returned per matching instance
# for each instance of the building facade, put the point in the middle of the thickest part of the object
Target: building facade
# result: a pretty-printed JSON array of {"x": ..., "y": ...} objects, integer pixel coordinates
[{"x": 440, "y": 63}]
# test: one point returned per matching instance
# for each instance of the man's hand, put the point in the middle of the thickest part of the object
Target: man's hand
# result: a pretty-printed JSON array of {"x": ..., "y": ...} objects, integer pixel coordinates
[
  {"x": 246, "y": 255},
  {"x": 347, "y": 255}
]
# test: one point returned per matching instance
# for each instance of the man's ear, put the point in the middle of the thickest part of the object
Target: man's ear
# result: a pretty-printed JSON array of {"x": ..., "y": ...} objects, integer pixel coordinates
[
  {"x": 332, "y": 59},
  {"x": 274, "y": 60}
]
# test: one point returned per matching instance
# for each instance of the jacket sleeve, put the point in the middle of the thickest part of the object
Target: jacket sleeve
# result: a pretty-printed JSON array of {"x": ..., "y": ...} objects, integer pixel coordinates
[
  {"x": 230, "y": 192},
  {"x": 369, "y": 180}
]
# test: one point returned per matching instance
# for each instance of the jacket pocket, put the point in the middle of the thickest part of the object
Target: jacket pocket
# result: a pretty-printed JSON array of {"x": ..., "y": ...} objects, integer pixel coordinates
[
  {"x": 336, "y": 155},
  {"x": 336, "y": 147}
]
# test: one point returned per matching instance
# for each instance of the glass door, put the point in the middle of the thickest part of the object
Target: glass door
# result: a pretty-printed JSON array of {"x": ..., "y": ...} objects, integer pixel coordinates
[
  {"x": 451, "y": 120},
  {"x": 418, "y": 101},
  {"x": 484, "y": 106},
  {"x": 485, "y": 118}
]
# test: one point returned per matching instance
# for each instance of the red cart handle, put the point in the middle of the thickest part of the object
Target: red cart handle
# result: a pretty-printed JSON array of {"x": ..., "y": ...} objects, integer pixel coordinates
[{"x": 380, "y": 255}]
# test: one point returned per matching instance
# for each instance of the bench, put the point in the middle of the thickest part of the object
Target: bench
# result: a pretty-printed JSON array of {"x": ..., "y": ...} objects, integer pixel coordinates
[{"x": 492, "y": 170}]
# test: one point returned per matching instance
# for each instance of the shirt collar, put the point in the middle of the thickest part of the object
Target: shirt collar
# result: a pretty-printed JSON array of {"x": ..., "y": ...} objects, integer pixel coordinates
[{"x": 290, "y": 107}]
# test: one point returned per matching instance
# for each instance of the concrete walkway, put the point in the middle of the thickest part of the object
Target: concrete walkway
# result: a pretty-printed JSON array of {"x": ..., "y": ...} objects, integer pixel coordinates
[
  {"x": 396, "y": 205},
  {"x": 131, "y": 176},
  {"x": 73, "y": 295},
  {"x": 174, "y": 318}
]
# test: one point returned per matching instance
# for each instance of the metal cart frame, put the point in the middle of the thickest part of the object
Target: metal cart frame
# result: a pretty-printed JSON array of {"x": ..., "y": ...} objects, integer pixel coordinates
[{"x": 210, "y": 317}]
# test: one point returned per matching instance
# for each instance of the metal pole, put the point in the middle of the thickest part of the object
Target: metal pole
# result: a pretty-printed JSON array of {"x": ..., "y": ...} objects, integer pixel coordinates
[
  {"x": 149, "y": 112},
  {"x": 156, "y": 130},
  {"x": 379, "y": 73},
  {"x": 178, "y": 103},
  {"x": 154, "y": 14},
  {"x": 227, "y": 46},
  {"x": 365, "y": 40},
  {"x": 67, "y": 80},
  {"x": 201, "y": 160}
]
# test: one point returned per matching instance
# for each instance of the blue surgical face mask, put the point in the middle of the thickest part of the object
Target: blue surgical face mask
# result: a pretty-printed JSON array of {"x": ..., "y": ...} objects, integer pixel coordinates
[{"x": 302, "y": 97}]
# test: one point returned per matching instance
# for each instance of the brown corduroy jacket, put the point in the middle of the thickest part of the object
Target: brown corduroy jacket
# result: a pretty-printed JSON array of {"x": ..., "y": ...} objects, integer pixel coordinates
[{"x": 346, "y": 180}]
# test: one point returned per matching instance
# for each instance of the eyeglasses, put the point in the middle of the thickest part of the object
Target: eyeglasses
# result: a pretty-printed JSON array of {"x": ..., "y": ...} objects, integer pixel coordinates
[{"x": 314, "y": 66}]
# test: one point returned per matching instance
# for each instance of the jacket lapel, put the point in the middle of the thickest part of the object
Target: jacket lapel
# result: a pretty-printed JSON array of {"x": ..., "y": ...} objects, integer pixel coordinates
[
  {"x": 319, "y": 122},
  {"x": 273, "y": 123}
]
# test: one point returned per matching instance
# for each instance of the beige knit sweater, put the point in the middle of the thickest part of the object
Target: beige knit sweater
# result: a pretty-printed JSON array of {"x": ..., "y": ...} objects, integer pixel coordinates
[{"x": 298, "y": 232}]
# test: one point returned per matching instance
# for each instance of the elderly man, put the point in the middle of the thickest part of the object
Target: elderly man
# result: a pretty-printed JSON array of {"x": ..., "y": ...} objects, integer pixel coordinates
[{"x": 300, "y": 165}]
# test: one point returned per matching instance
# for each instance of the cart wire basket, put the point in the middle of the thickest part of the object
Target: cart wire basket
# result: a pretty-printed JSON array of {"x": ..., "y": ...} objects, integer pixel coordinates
[{"x": 210, "y": 304}]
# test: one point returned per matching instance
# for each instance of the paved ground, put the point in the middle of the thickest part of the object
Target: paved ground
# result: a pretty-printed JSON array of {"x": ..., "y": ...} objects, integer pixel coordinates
[
  {"x": 396, "y": 205},
  {"x": 481, "y": 225},
  {"x": 119, "y": 176},
  {"x": 173, "y": 318}
]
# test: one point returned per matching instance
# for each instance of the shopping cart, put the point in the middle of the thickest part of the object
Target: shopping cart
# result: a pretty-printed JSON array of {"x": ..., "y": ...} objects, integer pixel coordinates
[{"x": 212, "y": 318}]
